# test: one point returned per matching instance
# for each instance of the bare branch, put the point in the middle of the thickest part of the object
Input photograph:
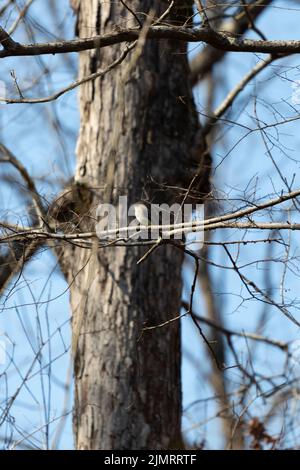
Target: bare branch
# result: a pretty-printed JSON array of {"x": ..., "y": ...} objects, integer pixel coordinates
[
  {"x": 133, "y": 13},
  {"x": 220, "y": 40},
  {"x": 165, "y": 14},
  {"x": 14, "y": 261},
  {"x": 253, "y": 336},
  {"x": 73, "y": 85},
  {"x": 202, "y": 12},
  {"x": 8, "y": 44},
  {"x": 225, "y": 105},
  {"x": 251, "y": 21},
  {"x": 8, "y": 157},
  {"x": 22, "y": 14}
]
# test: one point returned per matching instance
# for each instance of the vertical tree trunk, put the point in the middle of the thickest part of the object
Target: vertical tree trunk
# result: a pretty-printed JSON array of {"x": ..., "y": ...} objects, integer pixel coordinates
[{"x": 138, "y": 125}]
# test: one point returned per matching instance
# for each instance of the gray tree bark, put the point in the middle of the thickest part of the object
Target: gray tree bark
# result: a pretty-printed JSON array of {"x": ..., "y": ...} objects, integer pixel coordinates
[{"x": 139, "y": 130}]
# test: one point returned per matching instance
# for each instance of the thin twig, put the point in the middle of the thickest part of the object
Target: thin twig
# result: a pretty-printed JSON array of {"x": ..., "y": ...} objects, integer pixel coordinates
[
  {"x": 133, "y": 13},
  {"x": 73, "y": 85}
]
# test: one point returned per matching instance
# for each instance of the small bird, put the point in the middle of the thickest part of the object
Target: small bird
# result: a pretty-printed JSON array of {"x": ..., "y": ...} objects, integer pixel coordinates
[{"x": 141, "y": 213}]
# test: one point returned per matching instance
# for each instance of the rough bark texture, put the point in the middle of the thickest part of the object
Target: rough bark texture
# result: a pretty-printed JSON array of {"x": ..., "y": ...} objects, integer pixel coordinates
[{"x": 138, "y": 130}]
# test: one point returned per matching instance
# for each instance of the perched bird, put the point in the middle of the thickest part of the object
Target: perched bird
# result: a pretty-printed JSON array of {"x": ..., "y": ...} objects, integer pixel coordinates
[{"x": 141, "y": 213}]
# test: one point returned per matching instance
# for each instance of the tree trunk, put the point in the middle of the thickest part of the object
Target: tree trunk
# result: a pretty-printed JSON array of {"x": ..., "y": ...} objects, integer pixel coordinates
[{"x": 138, "y": 131}]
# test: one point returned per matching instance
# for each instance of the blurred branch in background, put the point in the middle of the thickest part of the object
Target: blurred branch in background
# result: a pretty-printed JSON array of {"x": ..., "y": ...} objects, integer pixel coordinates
[
  {"x": 242, "y": 287},
  {"x": 205, "y": 60}
]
